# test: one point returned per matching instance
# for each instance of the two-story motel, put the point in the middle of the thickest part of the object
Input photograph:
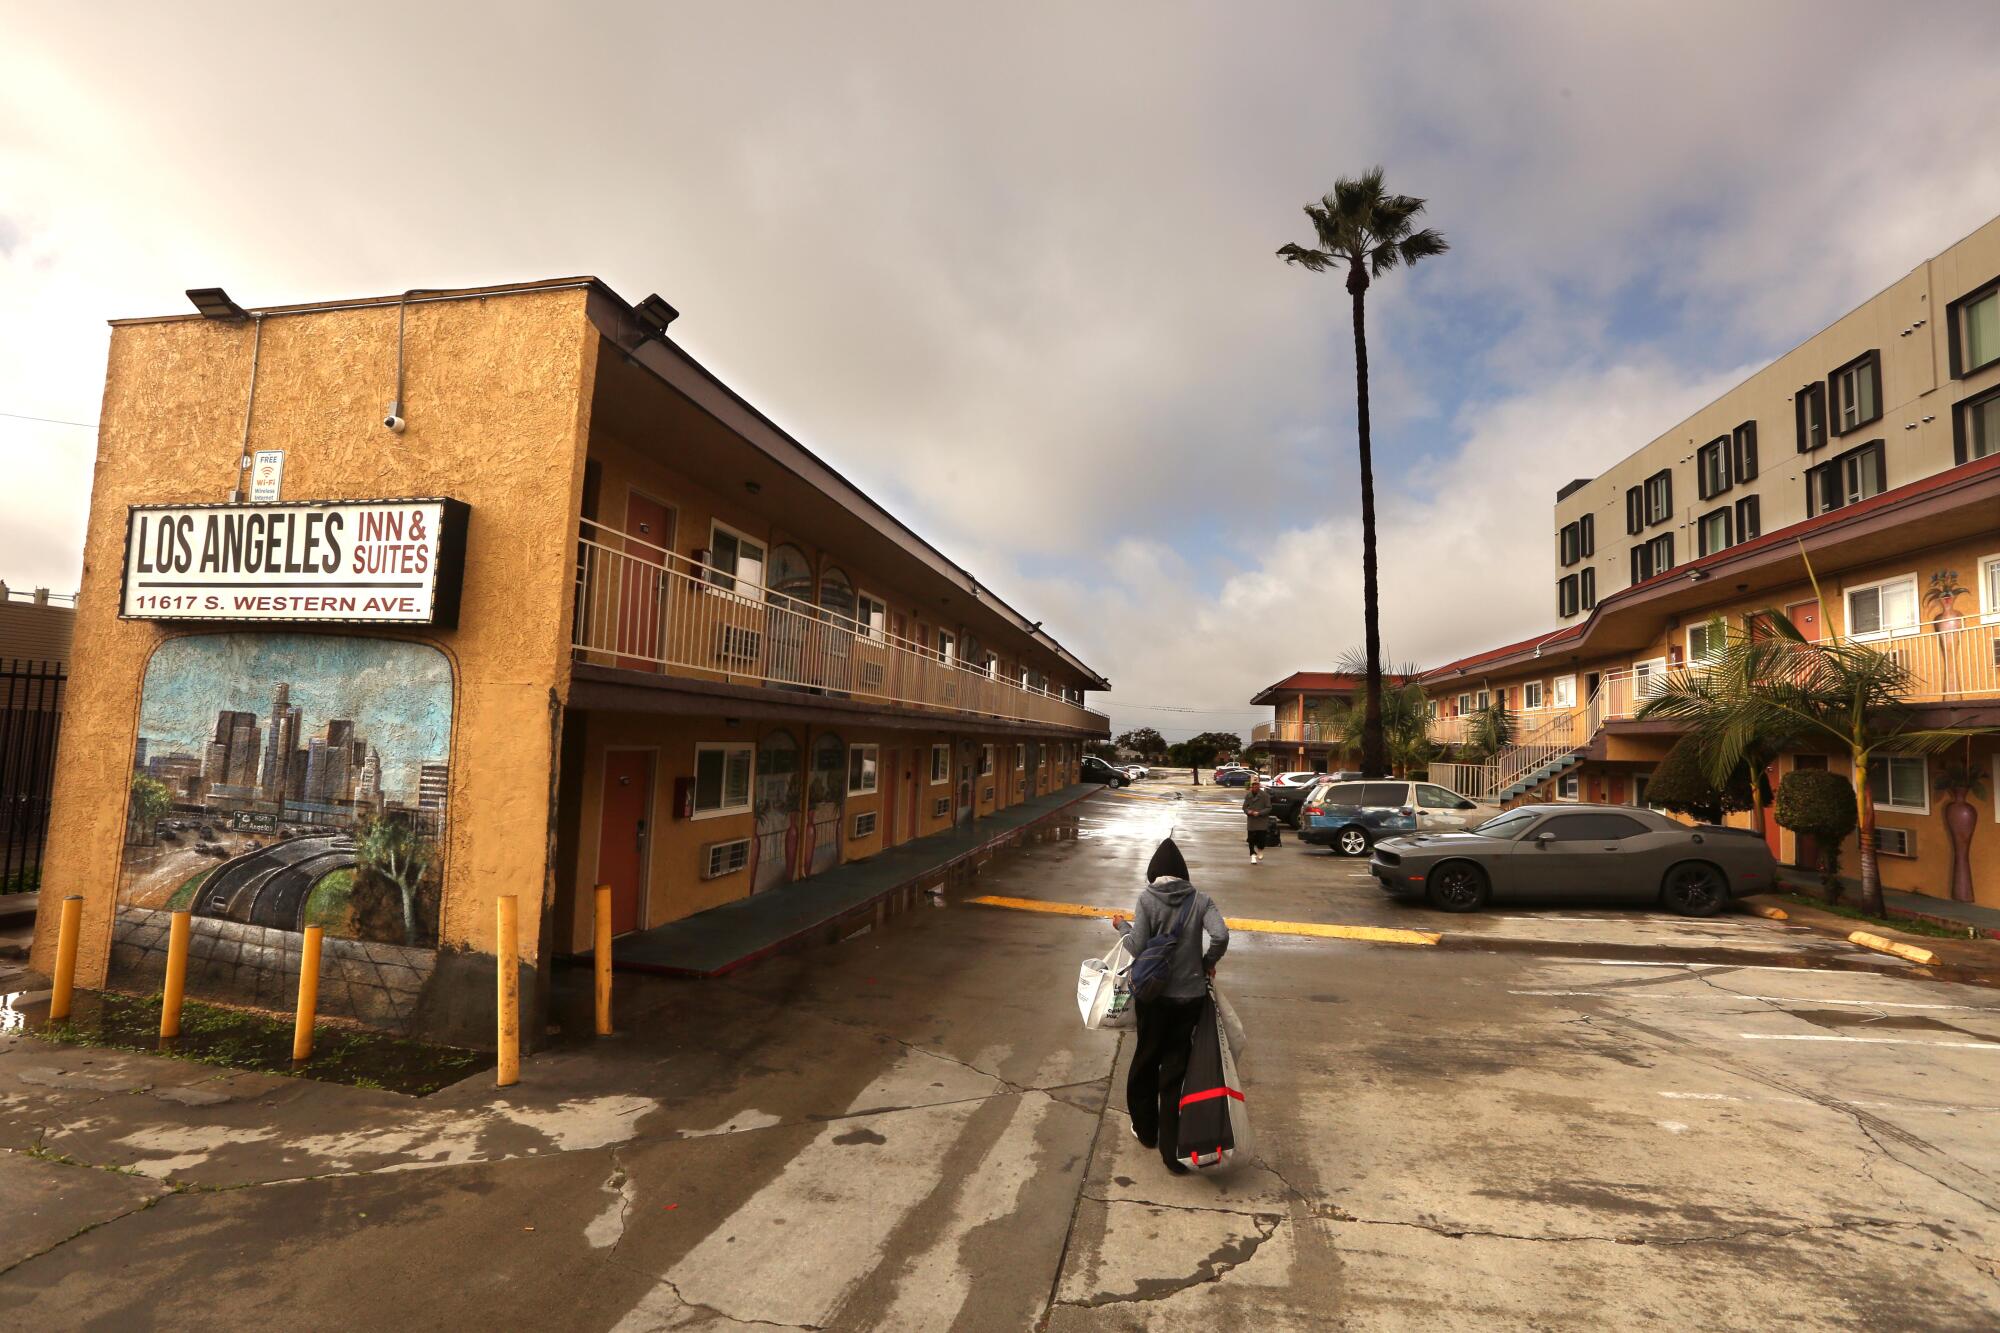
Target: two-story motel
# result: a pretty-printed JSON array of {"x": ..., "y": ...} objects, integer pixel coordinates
[
  {"x": 1890, "y": 488},
  {"x": 393, "y": 607}
]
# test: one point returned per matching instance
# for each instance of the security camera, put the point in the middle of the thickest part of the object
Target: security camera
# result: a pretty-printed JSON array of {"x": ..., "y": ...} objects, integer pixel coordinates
[{"x": 394, "y": 420}]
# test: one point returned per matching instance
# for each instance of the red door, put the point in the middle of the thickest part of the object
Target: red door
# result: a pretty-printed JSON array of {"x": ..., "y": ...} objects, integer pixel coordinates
[
  {"x": 642, "y": 587},
  {"x": 891, "y": 769},
  {"x": 621, "y": 833},
  {"x": 1805, "y": 615}
]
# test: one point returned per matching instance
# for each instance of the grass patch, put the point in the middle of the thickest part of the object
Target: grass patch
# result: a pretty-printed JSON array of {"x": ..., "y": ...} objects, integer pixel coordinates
[
  {"x": 330, "y": 905},
  {"x": 184, "y": 895},
  {"x": 1904, "y": 924}
]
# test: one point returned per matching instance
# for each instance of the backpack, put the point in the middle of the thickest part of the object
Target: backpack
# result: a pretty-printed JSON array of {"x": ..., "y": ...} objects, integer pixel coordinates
[{"x": 1151, "y": 968}]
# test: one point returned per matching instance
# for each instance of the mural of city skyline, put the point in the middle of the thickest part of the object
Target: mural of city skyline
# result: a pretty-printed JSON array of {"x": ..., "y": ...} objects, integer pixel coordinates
[{"x": 298, "y": 718}]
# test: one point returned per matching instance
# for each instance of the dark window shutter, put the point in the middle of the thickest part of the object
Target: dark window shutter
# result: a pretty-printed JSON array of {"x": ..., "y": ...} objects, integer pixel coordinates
[
  {"x": 1635, "y": 509},
  {"x": 1749, "y": 522},
  {"x": 1587, "y": 589},
  {"x": 1745, "y": 439},
  {"x": 1701, "y": 486},
  {"x": 1587, "y": 534}
]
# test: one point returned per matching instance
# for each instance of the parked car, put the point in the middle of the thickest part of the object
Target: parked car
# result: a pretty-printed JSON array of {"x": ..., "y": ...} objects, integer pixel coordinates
[
  {"x": 1096, "y": 770},
  {"x": 1578, "y": 853},
  {"x": 1233, "y": 777},
  {"x": 1135, "y": 771},
  {"x": 1287, "y": 803},
  {"x": 1300, "y": 778},
  {"x": 1351, "y": 817}
]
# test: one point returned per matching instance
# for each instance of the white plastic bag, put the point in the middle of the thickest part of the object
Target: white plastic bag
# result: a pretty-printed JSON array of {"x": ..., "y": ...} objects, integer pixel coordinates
[{"x": 1104, "y": 989}]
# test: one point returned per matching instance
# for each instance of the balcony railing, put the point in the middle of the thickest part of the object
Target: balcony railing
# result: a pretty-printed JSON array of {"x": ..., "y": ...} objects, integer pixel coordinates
[
  {"x": 1295, "y": 733},
  {"x": 645, "y": 608}
]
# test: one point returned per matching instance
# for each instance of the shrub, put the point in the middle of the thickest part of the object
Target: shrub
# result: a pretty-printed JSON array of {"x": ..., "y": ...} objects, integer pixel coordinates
[
  {"x": 1820, "y": 805},
  {"x": 1681, "y": 784}
]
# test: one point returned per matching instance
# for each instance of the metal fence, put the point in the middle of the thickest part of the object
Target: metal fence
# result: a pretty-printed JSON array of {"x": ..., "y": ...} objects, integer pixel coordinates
[{"x": 31, "y": 703}]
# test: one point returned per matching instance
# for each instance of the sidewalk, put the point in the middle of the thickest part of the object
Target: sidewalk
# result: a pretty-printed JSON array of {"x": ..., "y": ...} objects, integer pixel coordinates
[
  {"x": 1922, "y": 906},
  {"x": 830, "y": 905}
]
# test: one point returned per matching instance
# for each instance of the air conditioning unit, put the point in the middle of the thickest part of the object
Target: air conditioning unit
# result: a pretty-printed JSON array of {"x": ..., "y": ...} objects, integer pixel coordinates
[
  {"x": 725, "y": 858},
  {"x": 1895, "y": 842},
  {"x": 864, "y": 825}
]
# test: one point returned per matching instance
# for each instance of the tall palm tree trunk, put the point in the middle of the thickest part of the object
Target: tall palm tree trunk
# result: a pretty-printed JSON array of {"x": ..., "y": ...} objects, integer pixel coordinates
[
  {"x": 1374, "y": 753},
  {"x": 1871, "y": 870}
]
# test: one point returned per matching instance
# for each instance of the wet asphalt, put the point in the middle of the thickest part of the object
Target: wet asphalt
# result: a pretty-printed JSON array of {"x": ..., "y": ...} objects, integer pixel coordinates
[{"x": 1558, "y": 1117}]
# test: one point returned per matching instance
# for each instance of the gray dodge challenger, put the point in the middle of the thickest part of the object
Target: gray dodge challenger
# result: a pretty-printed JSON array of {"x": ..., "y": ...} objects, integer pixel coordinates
[{"x": 1578, "y": 853}]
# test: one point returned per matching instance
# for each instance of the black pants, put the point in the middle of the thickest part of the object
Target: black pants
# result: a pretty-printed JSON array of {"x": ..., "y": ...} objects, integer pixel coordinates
[
  {"x": 1159, "y": 1062},
  {"x": 1260, "y": 838}
]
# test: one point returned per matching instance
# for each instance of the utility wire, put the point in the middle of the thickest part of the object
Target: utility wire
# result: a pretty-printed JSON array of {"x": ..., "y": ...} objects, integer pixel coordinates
[{"x": 50, "y": 421}]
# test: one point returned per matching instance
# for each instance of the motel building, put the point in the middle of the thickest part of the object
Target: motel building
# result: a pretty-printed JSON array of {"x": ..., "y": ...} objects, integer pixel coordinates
[
  {"x": 395, "y": 607},
  {"x": 1872, "y": 451},
  {"x": 1306, "y": 732}
]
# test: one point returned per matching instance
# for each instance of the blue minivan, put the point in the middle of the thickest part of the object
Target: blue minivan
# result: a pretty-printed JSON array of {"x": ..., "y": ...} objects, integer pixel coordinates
[{"x": 1351, "y": 817}]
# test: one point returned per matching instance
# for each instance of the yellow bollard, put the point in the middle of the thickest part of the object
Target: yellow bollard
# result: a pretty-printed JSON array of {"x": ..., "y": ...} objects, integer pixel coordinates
[
  {"x": 177, "y": 971},
  {"x": 302, "y": 1029},
  {"x": 506, "y": 950},
  {"x": 601, "y": 958},
  {"x": 72, "y": 922}
]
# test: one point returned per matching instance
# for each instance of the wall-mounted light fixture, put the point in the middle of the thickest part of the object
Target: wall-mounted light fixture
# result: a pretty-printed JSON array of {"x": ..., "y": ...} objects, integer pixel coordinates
[
  {"x": 214, "y": 303},
  {"x": 656, "y": 314}
]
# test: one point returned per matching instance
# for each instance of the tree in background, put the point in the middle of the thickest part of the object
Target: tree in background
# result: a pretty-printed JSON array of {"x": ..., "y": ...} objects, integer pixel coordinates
[
  {"x": 1820, "y": 805},
  {"x": 1148, "y": 744},
  {"x": 1367, "y": 231},
  {"x": 1198, "y": 752},
  {"x": 1683, "y": 784},
  {"x": 150, "y": 801},
  {"x": 1105, "y": 750},
  {"x": 1406, "y": 724}
]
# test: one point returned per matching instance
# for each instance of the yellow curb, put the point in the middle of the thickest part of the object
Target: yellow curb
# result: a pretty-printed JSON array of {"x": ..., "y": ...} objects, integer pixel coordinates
[
  {"x": 1901, "y": 950},
  {"x": 1250, "y": 925},
  {"x": 1773, "y": 913}
]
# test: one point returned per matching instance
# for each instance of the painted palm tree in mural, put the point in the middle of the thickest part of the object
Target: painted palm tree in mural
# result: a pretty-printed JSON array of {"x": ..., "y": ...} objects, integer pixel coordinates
[{"x": 1367, "y": 231}]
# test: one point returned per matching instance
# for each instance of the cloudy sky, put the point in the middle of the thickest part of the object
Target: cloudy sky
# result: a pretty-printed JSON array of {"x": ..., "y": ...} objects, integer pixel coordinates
[{"x": 1010, "y": 267}]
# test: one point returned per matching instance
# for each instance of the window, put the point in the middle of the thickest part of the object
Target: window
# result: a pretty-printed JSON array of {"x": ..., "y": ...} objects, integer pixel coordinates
[
  {"x": 1749, "y": 518},
  {"x": 1714, "y": 531},
  {"x": 1566, "y": 593},
  {"x": 985, "y": 761},
  {"x": 1483, "y": 701},
  {"x": 734, "y": 560},
  {"x": 992, "y": 666},
  {"x": 1706, "y": 641},
  {"x": 940, "y": 764},
  {"x": 1989, "y": 589},
  {"x": 1590, "y": 828},
  {"x": 1809, "y": 410},
  {"x": 1653, "y": 557},
  {"x": 1464, "y": 704},
  {"x": 1569, "y": 787},
  {"x": 725, "y": 858},
  {"x": 1975, "y": 427},
  {"x": 871, "y": 618},
  {"x": 1851, "y": 477},
  {"x": 1743, "y": 451},
  {"x": 1020, "y": 758},
  {"x": 1895, "y": 841},
  {"x": 1572, "y": 543},
  {"x": 941, "y": 807},
  {"x": 1586, "y": 535},
  {"x": 1433, "y": 797},
  {"x": 947, "y": 646},
  {"x": 1975, "y": 330},
  {"x": 1660, "y": 496},
  {"x": 1532, "y": 694},
  {"x": 1882, "y": 609},
  {"x": 721, "y": 779},
  {"x": 1857, "y": 393},
  {"x": 1711, "y": 467},
  {"x": 836, "y": 598},
  {"x": 1635, "y": 509},
  {"x": 1587, "y": 589},
  {"x": 1647, "y": 675},
  {"x": 1384, "y": 795},
  {"x": 1900, "y": 782},
  {"x": 1564, "y": 690},
  {"x": 864, "y": 825},
  {"x": 863, "y": 769}
]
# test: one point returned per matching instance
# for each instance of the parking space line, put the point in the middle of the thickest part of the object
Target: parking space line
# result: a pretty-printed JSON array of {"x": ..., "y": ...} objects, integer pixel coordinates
[
  {"x": 1249, "y": 925},
  {"x": 1870, "y": 1041},
  {"x": 1683, "y": 997}
]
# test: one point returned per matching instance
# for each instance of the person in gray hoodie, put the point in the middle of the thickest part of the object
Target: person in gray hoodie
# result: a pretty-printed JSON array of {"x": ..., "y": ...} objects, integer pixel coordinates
[{"x": 1166, "y": 1024}]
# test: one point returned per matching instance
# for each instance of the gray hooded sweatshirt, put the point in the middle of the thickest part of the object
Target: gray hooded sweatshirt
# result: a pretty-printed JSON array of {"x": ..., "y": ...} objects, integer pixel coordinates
[{"x": 1158, "y": 908}]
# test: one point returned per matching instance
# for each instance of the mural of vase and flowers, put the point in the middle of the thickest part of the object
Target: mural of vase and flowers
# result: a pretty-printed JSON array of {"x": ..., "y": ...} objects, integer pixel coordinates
[{"x": 1959, "y": 779}]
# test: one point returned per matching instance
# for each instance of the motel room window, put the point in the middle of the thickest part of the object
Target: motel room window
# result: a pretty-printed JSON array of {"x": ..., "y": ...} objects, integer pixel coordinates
[
  {"x": 1809, "y": 410},
  {"x": 1900, "y": 782},
  {"x": 1586, "y": 535},
  {"x": 1566, "y": 596},
  {"x": 734, "y": 560},
  {"x": 1563, "y": 688},
  {"x": 1660, "y": 496},
  {"x": 1711, "y": 467},
  {"x": 1706, "y": 641},
  {"x": 1020, "y": 759},
  {"x": 791, "y": 575},
  {"x": 1586, "y": 584},
  {"x": 985, "y": 761},
  {"x": 947, "y": 647},
  {"x": 1653, "y": 557},
  {"x": 1635, "y": 509},
  {"x": 1749, "y": 518},
  {"x": 1857, "y": 393},
  {"x": 1845, "y": 480},
  {"x": 1880, "y": 610},
  {"x": 721, "y": 779},
  {"x": 871, "y": 617},
  {"x": 1531, "y": 694},
  {"x": 1569, "y": 787},
  {"x": 1989, "y": 590},
  {"x": 1464, "y": 704},
  {"x": 836, "y": 598},
  {"x": 1743, "y": 452},
  {"x": 940, "y": 764},
  {"x": 992, "y": 666},
  {"x": 1714, "y": 531},
  {"x": 1976, "y": 427},
  {"x": 864, "y": 769},
  {"x": 1483, "y": 701},
  {"x": 1975, "y": 330},
  {"x": 1572, "y": 544}
]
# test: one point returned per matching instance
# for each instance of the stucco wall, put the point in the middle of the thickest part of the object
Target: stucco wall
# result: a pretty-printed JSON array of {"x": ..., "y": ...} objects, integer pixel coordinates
[{"x": 497, "y": 392}]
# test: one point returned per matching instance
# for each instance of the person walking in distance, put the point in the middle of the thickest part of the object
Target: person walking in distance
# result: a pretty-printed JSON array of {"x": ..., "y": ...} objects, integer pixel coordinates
[
  {"x": 1257, "y": 817},
  {"x": 1169, "y": 903}
]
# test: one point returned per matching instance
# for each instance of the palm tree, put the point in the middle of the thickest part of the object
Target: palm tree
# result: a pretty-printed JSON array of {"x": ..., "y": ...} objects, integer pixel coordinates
[
  {"x": 1368, "y": 231},
  {"x": 1718, "y": 701},
  {"x": 1491, "y": 729}
]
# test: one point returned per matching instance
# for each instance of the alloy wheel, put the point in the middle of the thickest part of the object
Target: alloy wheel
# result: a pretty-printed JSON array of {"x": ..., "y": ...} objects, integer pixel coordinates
[
  {"x": 1457, "y": 887},
  {"x": 1694, "y": 890},
  {"x": 1352, "y": 842}
]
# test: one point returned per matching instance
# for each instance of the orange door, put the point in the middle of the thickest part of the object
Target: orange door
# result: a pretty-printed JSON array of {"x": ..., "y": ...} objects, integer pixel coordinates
[
  {"x": 642, "y": 583},
  {"x": 621, "y": 834},
  {"x": 891, "y": 768},
  {"x": 1805, "y": 615}
]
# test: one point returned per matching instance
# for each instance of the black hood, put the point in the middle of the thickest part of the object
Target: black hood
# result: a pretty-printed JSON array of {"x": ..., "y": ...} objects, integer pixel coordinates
[{"x": 1167, "y": 863}]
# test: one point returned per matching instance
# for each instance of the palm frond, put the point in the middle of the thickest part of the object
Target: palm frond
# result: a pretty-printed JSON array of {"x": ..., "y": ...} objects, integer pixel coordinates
[{"x": 1316, "y": 260}]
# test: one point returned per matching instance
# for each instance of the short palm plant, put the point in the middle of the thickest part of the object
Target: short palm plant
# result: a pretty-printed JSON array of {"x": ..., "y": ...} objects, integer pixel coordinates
[{"x": 1717, "y": 698}]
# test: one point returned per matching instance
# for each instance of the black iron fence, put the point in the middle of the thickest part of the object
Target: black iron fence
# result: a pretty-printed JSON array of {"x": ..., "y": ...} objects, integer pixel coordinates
[{"x": 31, "y": 704}]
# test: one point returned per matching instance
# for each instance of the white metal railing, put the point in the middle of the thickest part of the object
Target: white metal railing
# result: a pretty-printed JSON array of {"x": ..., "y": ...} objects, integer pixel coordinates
[
  {"x": 646, "y": 608},
  {"x": 1478, "y": 782},
  {"x": 1297, "y": 733}
]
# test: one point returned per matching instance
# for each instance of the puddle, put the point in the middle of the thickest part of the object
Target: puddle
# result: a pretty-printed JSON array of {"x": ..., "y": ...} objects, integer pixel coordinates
[{"x": 239, "y": 1039}]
